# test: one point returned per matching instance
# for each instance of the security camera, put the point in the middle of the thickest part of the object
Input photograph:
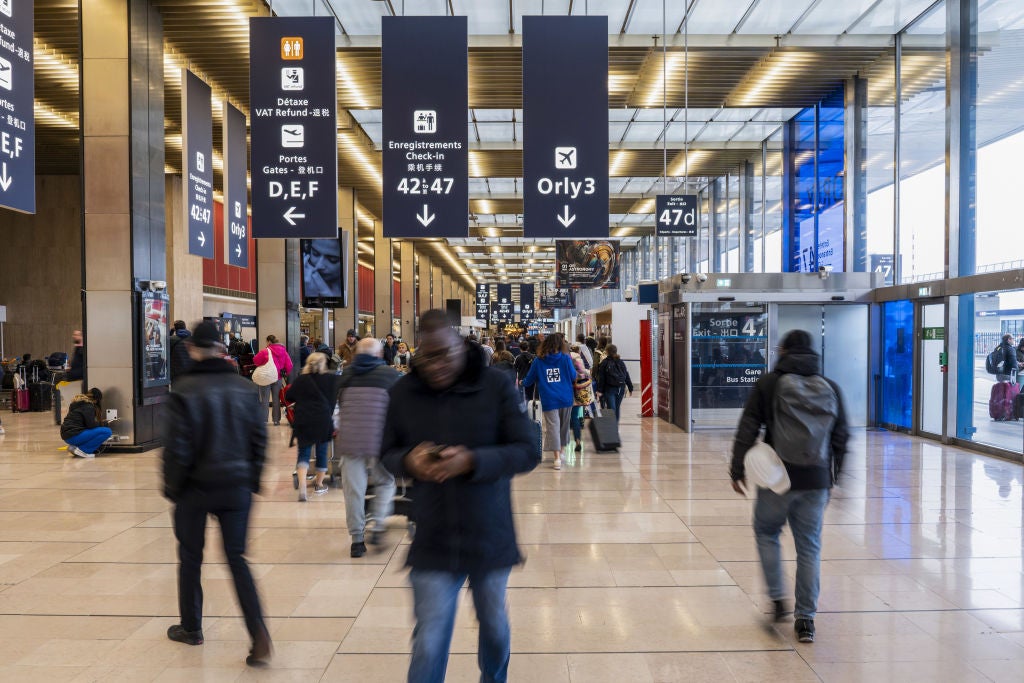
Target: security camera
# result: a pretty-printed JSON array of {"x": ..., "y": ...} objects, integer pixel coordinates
[
  {"x": 702, "y": 277},
  {"x": 823, "y": 271},
  {"x": 628, "y": 294},
  {"x": 686, "y": 278},
  {"x": 157, "y": 285}
]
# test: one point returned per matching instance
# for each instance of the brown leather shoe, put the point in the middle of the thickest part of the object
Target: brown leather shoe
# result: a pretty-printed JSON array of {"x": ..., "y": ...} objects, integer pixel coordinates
[{"x": 261, "y": 652}]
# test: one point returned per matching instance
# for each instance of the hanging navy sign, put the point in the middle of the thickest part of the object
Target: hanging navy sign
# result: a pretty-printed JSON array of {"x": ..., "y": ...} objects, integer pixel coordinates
[
  {"x": 17, "y": 97},
  {"x": 483, "y": 300},
  {"x": 493, "y": 318},
  {"x": 676, "y": 215},
  {"x": 506, "y": 306},
  {"x": 527, "y": 311},
  {"x": 197, "y": 148},
  {"x": 565, "y": 113},
  {"x": 293, "y": 100},
  {"x": 425, "y": 95},
  {"x": 236, "y": 195}
]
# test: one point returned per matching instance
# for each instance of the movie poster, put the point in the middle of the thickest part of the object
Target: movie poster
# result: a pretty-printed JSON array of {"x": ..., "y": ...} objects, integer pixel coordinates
[
  {"x": 587, "y": 264},
  {"x": 156, "y": 369}
]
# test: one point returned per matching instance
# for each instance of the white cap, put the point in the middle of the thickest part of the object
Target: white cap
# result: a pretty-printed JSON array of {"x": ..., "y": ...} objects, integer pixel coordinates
[{"x": 764, "y": 468}]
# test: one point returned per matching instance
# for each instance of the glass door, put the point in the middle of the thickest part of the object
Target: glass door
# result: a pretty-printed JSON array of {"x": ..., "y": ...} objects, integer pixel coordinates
[{"x": 931, "y": 343}]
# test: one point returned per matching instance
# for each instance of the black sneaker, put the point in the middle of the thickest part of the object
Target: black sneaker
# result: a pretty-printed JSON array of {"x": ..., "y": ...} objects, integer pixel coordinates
[
  {"x": 781, "y": 611},
  {"x": 358, "y": 549},
  {"x": 376, "y": 538},
  {"x": 178, "y": 634},
  {"x": 804, "y": 630}
]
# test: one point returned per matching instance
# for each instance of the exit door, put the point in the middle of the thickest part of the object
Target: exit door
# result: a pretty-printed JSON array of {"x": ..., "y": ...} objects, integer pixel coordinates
[{"x": 931, "y": 342}]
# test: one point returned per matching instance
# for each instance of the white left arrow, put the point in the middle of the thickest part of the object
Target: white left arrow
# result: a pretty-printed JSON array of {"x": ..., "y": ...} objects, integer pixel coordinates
[
  {"x": 238, "y": 250},
  {"x": 565, "y": 219},
  {"x": 426, "y": 218},
  {"x": 202, "y": 240},
  {"x": 290, "y": 214},
  {"x": 5, "y": 180}
]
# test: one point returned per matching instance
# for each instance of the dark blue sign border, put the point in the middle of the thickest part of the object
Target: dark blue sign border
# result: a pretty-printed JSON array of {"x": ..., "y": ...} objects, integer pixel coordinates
[
  {"x": 197, "y": 165},
  {"x": 17, "y": 125},
  {"x": 682, "y": 215},
  {"x": 236, "y": 196}
]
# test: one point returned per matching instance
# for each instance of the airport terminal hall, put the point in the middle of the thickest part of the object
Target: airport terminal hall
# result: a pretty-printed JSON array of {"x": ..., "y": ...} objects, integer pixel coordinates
[{"x": 559, "y": 341}]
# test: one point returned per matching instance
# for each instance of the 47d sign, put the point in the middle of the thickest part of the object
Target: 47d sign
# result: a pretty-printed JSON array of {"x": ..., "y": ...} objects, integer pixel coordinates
[{"x": 677, "y": 215}]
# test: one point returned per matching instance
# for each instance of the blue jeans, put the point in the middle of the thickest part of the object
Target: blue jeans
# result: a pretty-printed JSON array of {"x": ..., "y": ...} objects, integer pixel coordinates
[
  {"x": 613, "y": 398},
  {"x": 576, "y": 422},
  {"x": 321, "y": 455},
  {"x": 804, "y": 510},
  {"x": 436, "y": 597},
  {"x": 91, "y": 439}
]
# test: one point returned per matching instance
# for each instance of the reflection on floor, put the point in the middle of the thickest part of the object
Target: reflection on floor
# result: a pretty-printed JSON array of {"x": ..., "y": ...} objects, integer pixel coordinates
[{"x": 641, "y": 567}]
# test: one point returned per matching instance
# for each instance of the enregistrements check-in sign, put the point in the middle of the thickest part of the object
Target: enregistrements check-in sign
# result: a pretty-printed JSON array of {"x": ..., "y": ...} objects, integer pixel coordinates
[
  {"x": 424, "y": 63},
  {"x": 17, "y": 113},
  {"x": 197, "y": 148},
  {"x": 676, "y": 215},
  {"x": 294, "y": 138},
  {"x": 565, "y": 114}
]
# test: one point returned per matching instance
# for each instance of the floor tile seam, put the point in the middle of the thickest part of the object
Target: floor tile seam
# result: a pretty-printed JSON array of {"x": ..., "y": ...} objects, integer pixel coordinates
[{"x": 571, "y": 653}]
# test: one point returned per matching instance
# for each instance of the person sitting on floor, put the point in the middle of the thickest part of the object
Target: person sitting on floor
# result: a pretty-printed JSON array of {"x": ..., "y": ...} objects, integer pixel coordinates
[{"x": 83, "y": 429}]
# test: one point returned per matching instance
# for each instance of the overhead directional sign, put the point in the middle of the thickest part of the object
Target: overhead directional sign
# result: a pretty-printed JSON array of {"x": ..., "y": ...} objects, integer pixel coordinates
[
  {"x": 17, "y": 113},
  {"x": 424, "y": 62},
  {"x": 505, "y": 303},
  {"x": 293, "y": 104},
  {"x": 483, "y": 300},
  {"x": 676, "y": 215},
  {"x": 197, "y": 148},
  {"x": 565, "y": 141},
  {"x": 527, "y": 309},
  {"x": 236, "y": 198}
]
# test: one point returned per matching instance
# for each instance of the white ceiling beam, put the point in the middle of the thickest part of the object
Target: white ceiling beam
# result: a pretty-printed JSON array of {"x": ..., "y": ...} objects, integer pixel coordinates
[{"x": 696, "y": 41}]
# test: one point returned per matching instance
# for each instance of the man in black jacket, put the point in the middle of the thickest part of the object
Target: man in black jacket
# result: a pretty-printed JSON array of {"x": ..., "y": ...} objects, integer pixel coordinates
[
  {"x": 804, "y": 504},
  {"x": 460, "y": 430},
  {"x": 214, "y": 447}
]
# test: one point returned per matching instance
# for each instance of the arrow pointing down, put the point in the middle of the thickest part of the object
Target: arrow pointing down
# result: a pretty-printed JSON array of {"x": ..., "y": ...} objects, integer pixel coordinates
[
  {"x": 5, "y": 180},
  {"x": 565, "y": 219},
  {"x": 202, "y": 240},
  {"x": 426, "y": 218},
  {"x": 290, "y": 214}
]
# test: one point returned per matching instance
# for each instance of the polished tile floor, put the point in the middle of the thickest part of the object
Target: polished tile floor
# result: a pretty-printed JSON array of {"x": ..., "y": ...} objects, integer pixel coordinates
[{"x": 641, "y": 567}]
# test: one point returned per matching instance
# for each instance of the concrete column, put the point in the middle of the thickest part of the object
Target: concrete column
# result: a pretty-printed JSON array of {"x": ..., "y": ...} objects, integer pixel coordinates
[
  {"x": 347, "y": 318},
  {"x": 271, "y": 291},
  {"x": 184, "y": 271},
  {"x": 425, "y": 270},
  {"x": 437, "y": 287},
  {"x": 122, "y": 148},
  {"x": 383, "y": 289},
  {"x": 408, "y": 287}
]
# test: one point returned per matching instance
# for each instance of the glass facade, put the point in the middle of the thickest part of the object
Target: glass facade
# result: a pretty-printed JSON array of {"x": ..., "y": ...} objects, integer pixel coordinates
[{"x": 896, "y": 393}]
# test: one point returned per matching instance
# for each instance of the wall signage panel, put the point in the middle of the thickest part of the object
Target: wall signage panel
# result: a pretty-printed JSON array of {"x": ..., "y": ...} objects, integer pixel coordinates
[
  {"x": 197, "y": 148},
  {"x": 676, "y": 215},
  {"x": 483, "y": 300},
  {"x": 587, "y": 264},
  {"x": 425, "y": 91},
  {"x": 293, "y": 102},
  {"x": 565, "y": 140},
  {"x": 17, "y": 104},
  {"x": 236, "y": 195}
]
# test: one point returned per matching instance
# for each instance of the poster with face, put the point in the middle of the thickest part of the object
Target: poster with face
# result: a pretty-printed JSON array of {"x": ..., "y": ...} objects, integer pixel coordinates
[
  {"x": 156, "y": 369},
  {"x": 587, "y": 264},
  {"x": 323, "y": 273}
]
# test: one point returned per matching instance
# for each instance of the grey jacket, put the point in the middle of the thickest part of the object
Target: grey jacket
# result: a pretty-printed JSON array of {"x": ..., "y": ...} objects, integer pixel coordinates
[{"x": 363, "y": 405}]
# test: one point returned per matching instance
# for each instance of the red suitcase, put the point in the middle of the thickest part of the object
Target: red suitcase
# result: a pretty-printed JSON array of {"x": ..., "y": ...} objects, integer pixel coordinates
[
  {"x": 20, "y": 400},
  {"x": 1000, "y": 402}
]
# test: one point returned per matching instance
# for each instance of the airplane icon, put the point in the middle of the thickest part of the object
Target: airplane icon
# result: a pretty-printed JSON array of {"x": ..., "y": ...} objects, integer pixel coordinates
[
  {"x": 565, "y": 157},
  {"x": 293, "y": 136}
]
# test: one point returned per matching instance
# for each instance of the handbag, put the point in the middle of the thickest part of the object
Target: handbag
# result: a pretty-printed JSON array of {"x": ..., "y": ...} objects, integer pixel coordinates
[
  {"x": 266, "y": 374},
  {"x": 581, "y": 392}
]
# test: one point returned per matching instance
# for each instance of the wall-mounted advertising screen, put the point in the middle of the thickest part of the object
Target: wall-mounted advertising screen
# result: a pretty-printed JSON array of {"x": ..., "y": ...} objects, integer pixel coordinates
[
  {"x": 587, "y": 264},
  {"x": 153, "y": 308},
  {"x": 323, "y": 273}
]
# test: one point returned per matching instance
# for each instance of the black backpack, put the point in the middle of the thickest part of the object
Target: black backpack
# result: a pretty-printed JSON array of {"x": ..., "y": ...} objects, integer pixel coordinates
[
  {"x": 522, "y": 364},
  {"x": 994, "y": 361},
  {"x": 804, "y": 411},
  {"x": 612, "y": 372}
]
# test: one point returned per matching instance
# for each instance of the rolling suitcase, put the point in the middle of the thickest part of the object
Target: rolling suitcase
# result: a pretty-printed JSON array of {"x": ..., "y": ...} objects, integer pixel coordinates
[
  {"x": 20, "y": 400},
  {"x": 1001, "y": 400},
  {"x": 40, "y": 397},
  {"x": 1018, "y": 406},
  {"x": 604, "y": 430}
]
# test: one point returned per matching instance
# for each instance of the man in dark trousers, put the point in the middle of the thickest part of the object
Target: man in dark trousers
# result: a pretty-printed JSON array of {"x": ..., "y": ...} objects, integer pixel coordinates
[
  {"x": 459, "y": 429},
  {"x": 214, "y": 447},
  {"x": 177, "y": 350},
  {"x": 804, "y": 421}
]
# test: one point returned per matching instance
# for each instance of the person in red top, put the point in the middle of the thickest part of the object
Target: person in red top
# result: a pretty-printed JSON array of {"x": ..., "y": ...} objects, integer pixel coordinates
[{"x": 283, "y": 362}]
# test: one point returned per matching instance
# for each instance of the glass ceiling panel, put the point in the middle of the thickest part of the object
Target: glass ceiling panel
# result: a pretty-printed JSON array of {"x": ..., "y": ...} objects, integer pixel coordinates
[
  {"x": 493, "y": 114},
  {"x": 891, "y": 16},
  {"x": 644, "y": 132},
  {"x": 832, "y": 18},
  {"x": 366, "y": 115},
  {"x": 527, "y": 8},
  {"x": 625, "y": 114},
  {"x": 494, "y": 132},
  {"x": 358, "y": 18},
  {"x": 697, "y": 114},
  {"x": 616, "y": 131},
  {"x": 753, "y": 132},
  {"x": 615, "y": 185},
  {"x": 779, "y": 115},
  {"x": 719, "y": 132},
  {"x": 647, "y": 17},
  {"x": 1001, "y": 15},
  {"x": 775, "y": 17},
  {"x": 653, "y": 114},
  {"x": 376, "y": 133},
  {"x": 615, "y": 10},
  {"x": 485, "y": 16},
  {"x": 504, "y": 185},
  {"x": 737, "y": 114},
  {"x": 714, "y": 17}
]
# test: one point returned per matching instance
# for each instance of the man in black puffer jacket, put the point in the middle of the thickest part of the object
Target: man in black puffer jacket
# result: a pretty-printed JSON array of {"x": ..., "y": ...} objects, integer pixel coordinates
[
  {"x": 214, "y": 447},
  {"x": 459, "y": 428}
]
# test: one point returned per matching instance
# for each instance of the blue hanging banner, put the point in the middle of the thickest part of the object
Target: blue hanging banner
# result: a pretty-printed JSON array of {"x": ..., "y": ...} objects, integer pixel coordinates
[
  {"x": 483, "y": 300},
  {"x": 236, "y": 196},
  {"x": 197, "y": 164},
  {"x": 425, "y": 96},
  {"x": 294, "y": 137},
  {"x": 527, "y": 308},
  {"x": 17, "y": 97},
  {"x": 676, "y": 215},
  {"x": 565, "y": 139},
  {"x": 505, "y": 304}
]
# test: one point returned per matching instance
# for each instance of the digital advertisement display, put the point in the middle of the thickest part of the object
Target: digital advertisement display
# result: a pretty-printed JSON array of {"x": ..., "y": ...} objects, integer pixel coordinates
[
  {"x": 558, "y": 298},
  {"x": 587, "y": 264},
  {"x": 323, "y": 273},
  {"x": 153, "y": 309}
]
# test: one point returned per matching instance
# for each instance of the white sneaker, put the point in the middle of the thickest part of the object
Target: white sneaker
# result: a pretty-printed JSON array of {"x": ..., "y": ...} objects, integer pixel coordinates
[
  {"x": 557, "y": 464},
  {"x": 78, "y": 452},
  {"x": 2, "y": 432}
]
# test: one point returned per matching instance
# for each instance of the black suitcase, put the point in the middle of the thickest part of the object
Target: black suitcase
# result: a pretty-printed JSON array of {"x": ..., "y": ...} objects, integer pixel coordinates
[
  {"x": 1018, "y": 407},
  {"x": 40, "y": 397},
  {"x": 604, "y": 430}
]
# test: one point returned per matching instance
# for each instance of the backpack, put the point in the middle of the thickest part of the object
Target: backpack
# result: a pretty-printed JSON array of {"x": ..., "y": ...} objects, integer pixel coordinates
[
  {"x": 612, "y": 373},
  {"x": 994, "y": 361},
  {"x": 522, "y": 364},
  {"x": 805, "y": 409}
]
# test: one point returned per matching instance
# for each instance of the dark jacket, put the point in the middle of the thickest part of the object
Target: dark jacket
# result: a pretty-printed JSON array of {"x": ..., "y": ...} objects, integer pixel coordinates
[
  {"x": 304, "y": 352},
  {"x": 180, "y": 361},
  {"x": 1009, "y": 358},
  {"x": 363, "y": 406},
  {"x": 465, "y": 524},
  {"x": 759, "y": 411},
  {"x": 313, "y": 396},
  {"x": 214, "y": 433},
  {"x": 601, "y": 375},
  {"x": 81, "y": 416},
  {"x": 77, "y": 369},
  {"x": 389, "y": 353}
]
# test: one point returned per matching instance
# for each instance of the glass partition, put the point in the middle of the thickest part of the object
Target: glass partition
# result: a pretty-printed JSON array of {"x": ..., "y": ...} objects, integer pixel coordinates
[
  {"x": 996, "y": 424},
  {"x": 897, "y": 390}
]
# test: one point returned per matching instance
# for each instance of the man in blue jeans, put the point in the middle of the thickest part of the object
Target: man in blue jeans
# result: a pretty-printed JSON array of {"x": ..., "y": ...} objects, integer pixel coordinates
[
  {"x": 802, "y": 413},
  {"x": 460, "y": 429}
]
